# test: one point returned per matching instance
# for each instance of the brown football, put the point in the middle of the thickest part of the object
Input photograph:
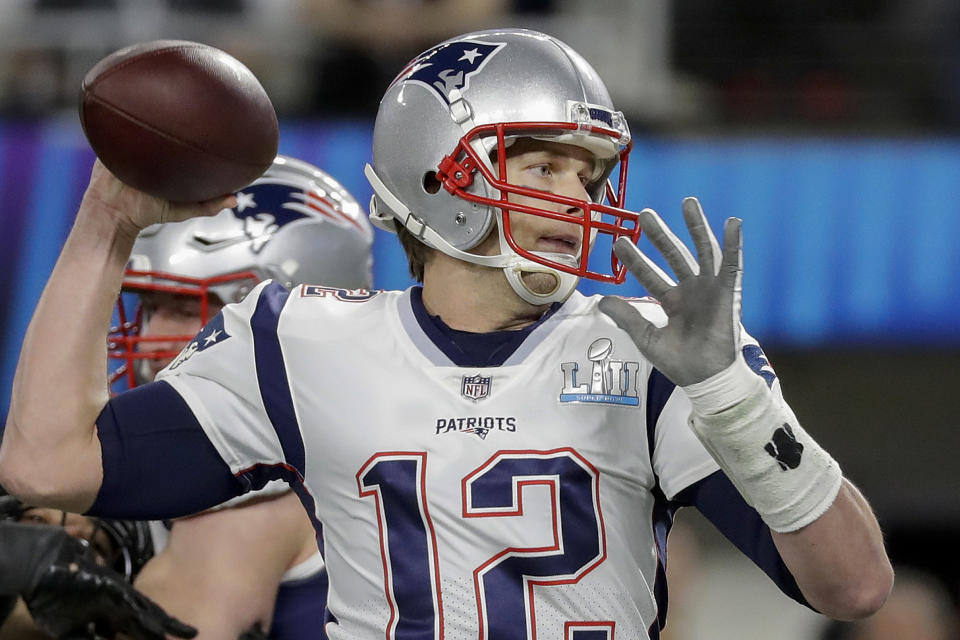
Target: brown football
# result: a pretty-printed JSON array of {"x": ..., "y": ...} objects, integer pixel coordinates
[{"x": 179, "y": 120}]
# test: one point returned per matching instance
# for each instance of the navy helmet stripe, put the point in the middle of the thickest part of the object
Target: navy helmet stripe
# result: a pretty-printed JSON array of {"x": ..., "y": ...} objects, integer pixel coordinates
[{"x": 272, "y": 375}]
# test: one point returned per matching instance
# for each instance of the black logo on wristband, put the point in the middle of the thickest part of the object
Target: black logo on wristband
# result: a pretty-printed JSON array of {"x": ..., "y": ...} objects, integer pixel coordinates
[{"x": 785, "y": 448}]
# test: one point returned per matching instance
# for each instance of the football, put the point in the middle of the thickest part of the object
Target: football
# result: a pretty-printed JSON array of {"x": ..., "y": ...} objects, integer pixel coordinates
[{"x": 179, "y": 120}]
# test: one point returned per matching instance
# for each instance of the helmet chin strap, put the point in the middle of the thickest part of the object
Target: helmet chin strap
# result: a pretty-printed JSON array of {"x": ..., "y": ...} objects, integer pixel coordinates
[
  {"x": 517, "y": 266},
  {"x": 564, "y": 285}
]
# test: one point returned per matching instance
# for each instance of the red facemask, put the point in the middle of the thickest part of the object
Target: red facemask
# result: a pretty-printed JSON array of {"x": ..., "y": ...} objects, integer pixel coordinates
[
  {"x": 457, "y": 172},
  {"x": 125, "y": 337}
]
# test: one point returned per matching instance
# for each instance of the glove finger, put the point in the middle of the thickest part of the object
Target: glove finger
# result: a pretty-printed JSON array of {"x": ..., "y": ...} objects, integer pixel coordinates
[
  {"x": 645, "y": 270},
  {"x": 153, "y": 622},
  {"x": 708, "y": 249},
  {"x": 143, "y": 627},
  {"x": 732, "y": 270},
  {"x": 676, "y": 253},
  {"x": 625, "y": 316},
  {"x": 178, "y": 629},
  {"x": 137, "y": 616}
]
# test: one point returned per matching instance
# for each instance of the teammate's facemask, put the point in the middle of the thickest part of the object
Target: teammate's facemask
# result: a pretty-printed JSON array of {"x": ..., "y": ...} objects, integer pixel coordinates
[{"x": 129, "y": 350}]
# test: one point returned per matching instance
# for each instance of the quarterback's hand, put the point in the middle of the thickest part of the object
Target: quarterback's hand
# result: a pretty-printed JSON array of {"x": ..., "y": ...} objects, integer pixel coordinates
[
  {"x": 134, "y": 210},
  {"x": 702, "y": 334},
  {"x": 73, "y": 597}
]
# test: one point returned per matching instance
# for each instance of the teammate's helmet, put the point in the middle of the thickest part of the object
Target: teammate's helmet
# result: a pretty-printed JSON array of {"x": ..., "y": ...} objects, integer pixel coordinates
[
  {"x": 457, "y": 103},
  {"x": 295, "y": 224}
]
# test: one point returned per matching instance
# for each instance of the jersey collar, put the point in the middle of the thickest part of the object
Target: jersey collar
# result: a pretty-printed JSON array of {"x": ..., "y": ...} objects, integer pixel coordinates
[{"x": 445, "y": 346}]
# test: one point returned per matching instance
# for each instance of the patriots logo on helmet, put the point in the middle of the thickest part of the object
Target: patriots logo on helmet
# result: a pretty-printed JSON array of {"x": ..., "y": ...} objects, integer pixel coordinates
[
  {"x": 268, "y": 200},
  {"x": 286, "y": 204},
  {"x": 449, "y": 66},
  {"x": 265, "y": 208}
]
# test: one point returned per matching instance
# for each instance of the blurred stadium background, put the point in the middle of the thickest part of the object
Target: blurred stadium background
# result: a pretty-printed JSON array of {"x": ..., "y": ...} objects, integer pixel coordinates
[{"x": 830, "y": 128}]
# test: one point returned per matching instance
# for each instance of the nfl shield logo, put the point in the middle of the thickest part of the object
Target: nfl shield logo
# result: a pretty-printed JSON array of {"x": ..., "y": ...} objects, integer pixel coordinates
[{"x": 475, "y": 387}]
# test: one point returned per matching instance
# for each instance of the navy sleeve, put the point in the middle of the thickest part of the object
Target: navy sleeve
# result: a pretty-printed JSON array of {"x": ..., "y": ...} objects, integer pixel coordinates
[
  {"x": 157, "y": 461},
  {"x": 720, "y": 502}
]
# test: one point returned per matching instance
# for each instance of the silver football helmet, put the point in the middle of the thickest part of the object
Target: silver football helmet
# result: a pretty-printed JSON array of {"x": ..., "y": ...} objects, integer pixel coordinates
[
  {"x": 295, "y": 224},
  {"x": 456, "y": 104}
]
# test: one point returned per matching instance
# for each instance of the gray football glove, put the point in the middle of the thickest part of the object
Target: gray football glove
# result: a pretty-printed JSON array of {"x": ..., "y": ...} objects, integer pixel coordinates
[{"x": 702, "y": 334}]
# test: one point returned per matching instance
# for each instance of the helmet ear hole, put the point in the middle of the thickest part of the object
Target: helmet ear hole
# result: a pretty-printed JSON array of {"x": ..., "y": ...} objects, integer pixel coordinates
[{"x": 430, "y": 182}]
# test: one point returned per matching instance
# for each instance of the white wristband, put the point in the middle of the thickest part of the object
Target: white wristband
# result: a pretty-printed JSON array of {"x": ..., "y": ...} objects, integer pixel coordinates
[{"x": 755, "y": 438}]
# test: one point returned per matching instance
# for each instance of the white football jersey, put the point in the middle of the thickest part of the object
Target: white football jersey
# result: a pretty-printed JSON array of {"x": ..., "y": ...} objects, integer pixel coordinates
[{"x": 515, "y": 501}]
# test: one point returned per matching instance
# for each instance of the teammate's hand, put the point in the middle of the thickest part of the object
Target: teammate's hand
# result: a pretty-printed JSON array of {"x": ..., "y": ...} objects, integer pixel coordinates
[
  {"x": 134, "y": 210},
  {"x": 702, "y": 334},
  {"x": 73, "y": 597}
]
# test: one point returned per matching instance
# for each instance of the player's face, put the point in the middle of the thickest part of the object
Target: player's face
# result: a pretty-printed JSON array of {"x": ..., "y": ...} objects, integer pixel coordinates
[
  {"x": 78, "y": 526},
  {"x": 173, "y": 315},
  {"x": 560, "y": 169}
]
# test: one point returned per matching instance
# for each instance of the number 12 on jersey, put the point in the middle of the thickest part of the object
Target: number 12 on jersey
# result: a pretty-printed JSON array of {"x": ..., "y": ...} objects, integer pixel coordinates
[{"x": 505, "y": 582}]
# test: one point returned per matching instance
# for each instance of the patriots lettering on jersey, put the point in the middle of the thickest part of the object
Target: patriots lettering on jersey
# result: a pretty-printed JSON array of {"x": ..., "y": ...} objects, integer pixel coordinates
[
  {"x": 448, "y": 67},
  {"x": 609, "y": 381},
  {"x": 346, "y": 295},
  {"x": 480, "y": 425},
  {"x": 211, "y": 334}
]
